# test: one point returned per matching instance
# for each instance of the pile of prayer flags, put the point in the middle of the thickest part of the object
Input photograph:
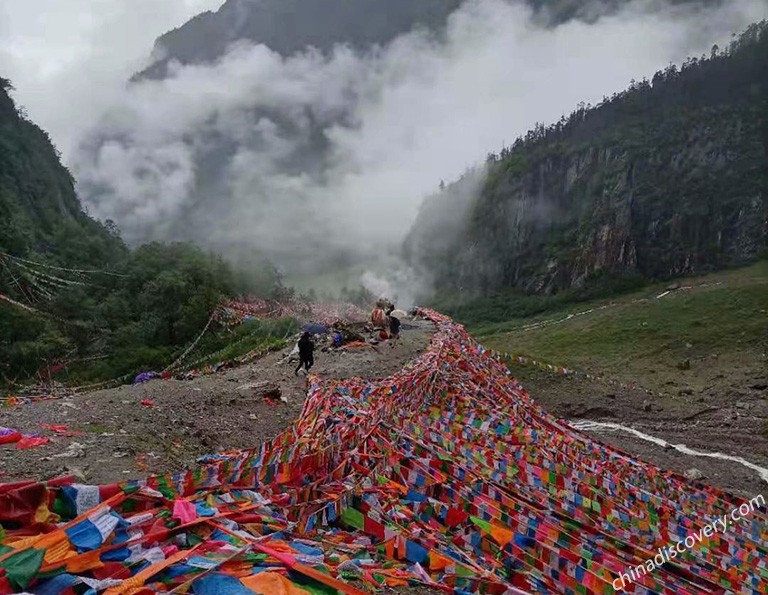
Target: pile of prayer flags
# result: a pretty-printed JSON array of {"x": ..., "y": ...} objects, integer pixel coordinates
[{"x": 446, "y": 474}]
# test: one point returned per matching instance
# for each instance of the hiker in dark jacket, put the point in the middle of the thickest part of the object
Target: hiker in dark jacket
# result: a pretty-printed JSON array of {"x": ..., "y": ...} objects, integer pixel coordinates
[
  {"x": 306, "y": 353},
  {"x": 394, "y": 330}
]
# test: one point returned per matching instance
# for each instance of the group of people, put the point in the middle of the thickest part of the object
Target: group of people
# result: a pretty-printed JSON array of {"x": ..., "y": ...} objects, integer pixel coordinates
[{"x": 384, "y": 318}]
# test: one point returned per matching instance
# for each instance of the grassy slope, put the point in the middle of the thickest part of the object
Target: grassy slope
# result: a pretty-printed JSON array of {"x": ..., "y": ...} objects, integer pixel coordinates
[{"x": 720, "y": 327}]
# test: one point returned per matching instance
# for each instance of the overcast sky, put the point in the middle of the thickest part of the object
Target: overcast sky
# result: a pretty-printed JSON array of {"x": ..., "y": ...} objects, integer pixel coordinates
[{"x": 67, "y": 58}]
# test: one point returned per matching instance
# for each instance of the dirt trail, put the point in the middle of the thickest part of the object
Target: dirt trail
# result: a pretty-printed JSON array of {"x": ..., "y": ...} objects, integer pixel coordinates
[{"x": 122, "y": 439}]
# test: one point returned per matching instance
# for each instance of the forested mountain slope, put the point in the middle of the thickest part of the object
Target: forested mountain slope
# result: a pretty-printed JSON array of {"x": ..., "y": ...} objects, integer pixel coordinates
[
  {"x": 70, "y": 289},
  {"x": 667, "y": 178},
  {"x": 40, "y": 212}
]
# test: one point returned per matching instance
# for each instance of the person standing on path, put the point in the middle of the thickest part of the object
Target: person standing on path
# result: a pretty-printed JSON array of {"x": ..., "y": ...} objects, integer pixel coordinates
[
  {"x": 394, "y": 329},
  {"x": 306, "y": 353}
]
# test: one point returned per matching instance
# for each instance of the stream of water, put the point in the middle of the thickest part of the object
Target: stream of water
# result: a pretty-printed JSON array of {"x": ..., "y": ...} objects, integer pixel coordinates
[{"x": 597, "y": 426}]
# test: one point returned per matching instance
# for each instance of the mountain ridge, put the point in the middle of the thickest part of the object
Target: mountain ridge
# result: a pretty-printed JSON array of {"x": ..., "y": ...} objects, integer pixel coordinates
[
  {"x": 665, "y": 179},
  {"x": 290, "y": 26}
]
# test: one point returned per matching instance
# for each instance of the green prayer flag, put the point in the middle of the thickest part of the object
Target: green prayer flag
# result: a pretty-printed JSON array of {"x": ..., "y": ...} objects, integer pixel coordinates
[
  {"x": 353, "y": 518},
  {"x": 379, "y": 578},
  {"x": 165, "y": 489},
  {"x": 484, "y": 525},
  {"x": 131, "y": 488},
  {"x": 21, "y": 568},
  {"x": 461, "y": 570},
  {"x": 62, "y": 507},
  {"x": 130, "y": 505},
  {"x": 193, "y": 539}
]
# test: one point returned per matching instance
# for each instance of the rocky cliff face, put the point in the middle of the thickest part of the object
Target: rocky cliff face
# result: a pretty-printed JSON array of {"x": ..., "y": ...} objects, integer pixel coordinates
[
  {"x": 671, "y": 209},
  {"x": 667, "y": 179}
]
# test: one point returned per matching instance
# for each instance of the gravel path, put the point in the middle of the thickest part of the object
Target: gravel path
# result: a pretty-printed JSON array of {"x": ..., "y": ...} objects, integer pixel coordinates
[{"x": 122, "y": 439}]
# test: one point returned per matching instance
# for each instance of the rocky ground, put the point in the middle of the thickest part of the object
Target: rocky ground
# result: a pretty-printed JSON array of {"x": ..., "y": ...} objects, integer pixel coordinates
[
  {"x": 118, "y": 437},
  {"x": 729, "y": 416}
]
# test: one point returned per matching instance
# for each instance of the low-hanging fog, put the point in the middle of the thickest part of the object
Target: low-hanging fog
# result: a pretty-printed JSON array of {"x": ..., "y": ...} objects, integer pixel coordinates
[{"x": 319, "y": 162}]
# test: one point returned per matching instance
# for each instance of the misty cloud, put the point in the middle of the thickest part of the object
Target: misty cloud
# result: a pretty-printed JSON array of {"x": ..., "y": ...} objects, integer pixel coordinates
[
  {"x": 70, "y": 59},
  {"x": 319, "y": 160}
]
